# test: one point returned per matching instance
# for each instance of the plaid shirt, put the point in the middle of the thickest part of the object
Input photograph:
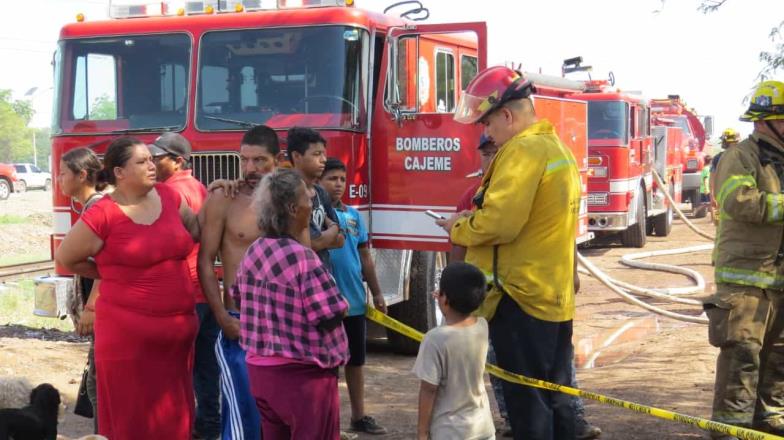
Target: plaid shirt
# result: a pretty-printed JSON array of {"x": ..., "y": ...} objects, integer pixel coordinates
[{"x": 284, "y": 292}]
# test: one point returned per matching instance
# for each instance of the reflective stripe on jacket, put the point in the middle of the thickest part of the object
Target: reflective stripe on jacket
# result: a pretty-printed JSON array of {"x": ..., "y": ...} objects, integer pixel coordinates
[
  {"x": 751, "y": 227},
  {"x": 529, "y": 210}
]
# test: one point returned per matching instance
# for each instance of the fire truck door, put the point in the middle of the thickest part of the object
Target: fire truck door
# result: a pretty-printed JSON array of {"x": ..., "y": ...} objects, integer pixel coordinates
[{"x": 421, "y": 157}]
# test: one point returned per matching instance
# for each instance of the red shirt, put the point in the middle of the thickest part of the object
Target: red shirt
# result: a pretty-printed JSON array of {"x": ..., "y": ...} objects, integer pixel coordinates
[
  {"x": 194, "y": 194},
  {"x": 138, "y": 274},
  {"x": 466, "y": 201}
]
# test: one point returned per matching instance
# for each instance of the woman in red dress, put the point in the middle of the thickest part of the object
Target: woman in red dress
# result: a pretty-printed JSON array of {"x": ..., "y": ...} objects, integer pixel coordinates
[{"x": 145, "y": 325}]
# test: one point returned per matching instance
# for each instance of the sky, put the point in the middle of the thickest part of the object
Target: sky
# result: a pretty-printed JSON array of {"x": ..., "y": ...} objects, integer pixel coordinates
[{"x": 710, "y": 60}]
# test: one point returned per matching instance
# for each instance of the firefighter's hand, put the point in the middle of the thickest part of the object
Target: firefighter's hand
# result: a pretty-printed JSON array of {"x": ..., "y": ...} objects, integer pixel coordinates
[
  {"x": 86, "y": 320},
  {"x": 449, "y": 222},
  {"x": 230, "y": 326},
  {"x": 380, "y": 304},
  {"x": 230, "y": 187}
]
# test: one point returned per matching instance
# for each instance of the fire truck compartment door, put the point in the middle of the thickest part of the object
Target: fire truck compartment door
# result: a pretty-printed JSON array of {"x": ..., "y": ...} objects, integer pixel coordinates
[{"x": 660, "y": 150}]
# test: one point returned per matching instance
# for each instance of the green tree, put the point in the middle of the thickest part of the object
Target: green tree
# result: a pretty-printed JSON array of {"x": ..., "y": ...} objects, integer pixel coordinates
[
  {"x": 15, "y": 137},
  {"x": 103, "y": 108},
  {"x": 43, "y": 145}
]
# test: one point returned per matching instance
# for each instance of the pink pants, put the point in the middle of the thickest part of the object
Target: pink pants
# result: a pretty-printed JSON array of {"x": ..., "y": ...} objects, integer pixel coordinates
[{"x": 296, "y": 401}]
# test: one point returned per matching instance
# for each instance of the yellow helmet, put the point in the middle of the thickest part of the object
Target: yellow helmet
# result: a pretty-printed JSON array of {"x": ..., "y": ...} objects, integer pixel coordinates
[
  {"x": 730, "y": 136},
  {"x": 767, "y": 102}
]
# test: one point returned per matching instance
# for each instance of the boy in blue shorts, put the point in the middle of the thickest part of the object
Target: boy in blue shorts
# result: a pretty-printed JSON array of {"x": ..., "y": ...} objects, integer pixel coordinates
[{"x": 350, "y": 265}]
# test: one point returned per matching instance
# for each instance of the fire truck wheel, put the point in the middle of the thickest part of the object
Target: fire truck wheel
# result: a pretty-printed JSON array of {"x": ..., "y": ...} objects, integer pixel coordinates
[
  {"x": 634, "y": 235},
  {"x": 420, "y": 309},
  {"x": 5, "y": 189},
  {"x": 662, "y": 223}
]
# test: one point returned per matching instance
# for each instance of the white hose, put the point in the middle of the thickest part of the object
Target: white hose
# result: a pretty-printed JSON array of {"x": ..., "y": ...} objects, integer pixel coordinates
[
  {"x": 631, "y": 261},
  {"x": 678, "y": 211},
  {"x": 625, "y": 290},
  {"x": 667, "y": 294},
  {"x": 598, "y": 274},
  {"x": 652, "y": 293}
]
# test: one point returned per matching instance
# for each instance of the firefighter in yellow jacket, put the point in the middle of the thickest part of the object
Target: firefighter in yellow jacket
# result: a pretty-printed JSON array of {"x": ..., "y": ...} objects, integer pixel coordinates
[
  {"x": 522, "y": 237},
  {"x": 747, "y": 312}
]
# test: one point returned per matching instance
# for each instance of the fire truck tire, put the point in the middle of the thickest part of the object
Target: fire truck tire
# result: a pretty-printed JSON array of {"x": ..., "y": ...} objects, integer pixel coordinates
[
  {"x": 5, "y": 189},
  {"x": 635, "y": 235},
  {"x": 420, "y": 309},
  {"x": 662, "y": 223}
]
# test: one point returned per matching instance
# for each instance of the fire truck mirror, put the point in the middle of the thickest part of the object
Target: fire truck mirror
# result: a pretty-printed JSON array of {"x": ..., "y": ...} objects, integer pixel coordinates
[
  {"x": 428, "y": 71},
  {"x": 402, "y": 69},
  {"x": 708, "y": 124}
]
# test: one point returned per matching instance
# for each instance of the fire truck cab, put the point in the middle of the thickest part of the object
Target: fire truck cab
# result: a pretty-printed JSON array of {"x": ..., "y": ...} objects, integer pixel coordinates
[
  {"x": 381, "y": 89},
  {"x": 695, "y": 135},
  {"x": 620, "y": 183}
]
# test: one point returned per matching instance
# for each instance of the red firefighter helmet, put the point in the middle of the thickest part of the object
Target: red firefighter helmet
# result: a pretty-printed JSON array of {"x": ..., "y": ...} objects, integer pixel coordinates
[{"x": 489, "y": 90}]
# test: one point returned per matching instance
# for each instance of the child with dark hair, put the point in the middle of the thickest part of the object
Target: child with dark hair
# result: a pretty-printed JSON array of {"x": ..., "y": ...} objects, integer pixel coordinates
[
  {"x": 307, "y": 151},
  {"x": 351, "y": 264},
  {"x": 451, "y": 362}
]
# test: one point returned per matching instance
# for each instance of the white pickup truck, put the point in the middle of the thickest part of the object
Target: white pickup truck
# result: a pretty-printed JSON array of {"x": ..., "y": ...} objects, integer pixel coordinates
[{"x": 30, "y": 176}]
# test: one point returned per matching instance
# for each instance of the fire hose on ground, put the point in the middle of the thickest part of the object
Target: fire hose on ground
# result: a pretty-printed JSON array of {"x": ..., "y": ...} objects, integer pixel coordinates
[{"x": 672, "y": 294}]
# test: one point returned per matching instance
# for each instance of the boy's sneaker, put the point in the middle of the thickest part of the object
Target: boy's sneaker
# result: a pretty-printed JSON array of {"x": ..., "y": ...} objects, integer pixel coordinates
[
  {"x": 367, "y": 424},
  {"x": 348, "y": 436}
]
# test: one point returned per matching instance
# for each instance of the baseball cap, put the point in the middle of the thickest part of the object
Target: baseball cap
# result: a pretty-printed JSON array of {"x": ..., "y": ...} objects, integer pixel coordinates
[
  {"x": 483, "y": 140},
  {"x": 170, "y": 144}
]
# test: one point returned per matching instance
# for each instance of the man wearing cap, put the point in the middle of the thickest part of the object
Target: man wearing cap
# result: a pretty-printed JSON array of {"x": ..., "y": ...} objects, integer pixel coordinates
[
  {"x": 522, "y": 237},
  {"x": 172, "y": 154}
]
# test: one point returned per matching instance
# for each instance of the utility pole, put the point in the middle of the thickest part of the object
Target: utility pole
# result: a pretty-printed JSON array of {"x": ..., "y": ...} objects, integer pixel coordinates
[{"x": 35, "y": 149}]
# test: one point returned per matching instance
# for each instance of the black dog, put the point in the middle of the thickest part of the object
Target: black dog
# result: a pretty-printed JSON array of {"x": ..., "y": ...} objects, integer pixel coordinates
[{"x": 37, "y": 421}]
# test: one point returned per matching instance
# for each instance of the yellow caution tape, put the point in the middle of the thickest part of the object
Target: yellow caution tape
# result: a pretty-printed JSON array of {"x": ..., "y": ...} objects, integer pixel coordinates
[{"x": 708, "y": 425}]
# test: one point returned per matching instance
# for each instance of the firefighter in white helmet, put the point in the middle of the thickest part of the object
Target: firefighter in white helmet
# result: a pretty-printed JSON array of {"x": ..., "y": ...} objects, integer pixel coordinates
[
  {"x": 522, "y": 237},
  {"x": 746, "y": 313}
]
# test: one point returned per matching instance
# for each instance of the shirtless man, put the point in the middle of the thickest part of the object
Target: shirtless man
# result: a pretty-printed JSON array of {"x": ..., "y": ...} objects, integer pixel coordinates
[{"x": 229, "y": 227}]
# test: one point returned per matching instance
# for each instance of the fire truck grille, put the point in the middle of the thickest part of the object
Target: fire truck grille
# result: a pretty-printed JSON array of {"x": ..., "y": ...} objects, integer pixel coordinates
[
  {"x": 598, "y": 198},
  {"x": 208, "y": 167}
]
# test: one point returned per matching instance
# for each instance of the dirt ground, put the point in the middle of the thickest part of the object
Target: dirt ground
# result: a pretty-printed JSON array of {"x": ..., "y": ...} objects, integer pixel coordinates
[
  {"x": 648, "y": 360},
  {"x": 27, "y": 226}
]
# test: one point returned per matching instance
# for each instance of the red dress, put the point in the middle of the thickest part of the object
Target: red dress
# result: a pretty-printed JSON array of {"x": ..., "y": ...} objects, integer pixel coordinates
[{"x": 145, "y": 324}]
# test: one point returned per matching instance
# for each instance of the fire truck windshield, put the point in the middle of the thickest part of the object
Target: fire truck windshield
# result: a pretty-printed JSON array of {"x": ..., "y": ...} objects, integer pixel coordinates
[
  {"x": 282, "y": 77},
  {"x": 683, "y": 123},
  {"x": 608, "y": 120},
  {"x": 122, "y": 84}
]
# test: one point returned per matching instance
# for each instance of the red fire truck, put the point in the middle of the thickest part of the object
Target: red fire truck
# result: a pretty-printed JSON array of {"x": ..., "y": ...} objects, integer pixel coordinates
[
  {"x": 382, "y": 91},
  {"x": 620, "y": 183},
  {"x": 695, "y": 137}
]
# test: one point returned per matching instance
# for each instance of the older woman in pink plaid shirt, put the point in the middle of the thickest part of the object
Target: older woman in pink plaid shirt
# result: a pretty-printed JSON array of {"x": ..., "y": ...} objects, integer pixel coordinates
[{"x": 290, "y": 318}]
